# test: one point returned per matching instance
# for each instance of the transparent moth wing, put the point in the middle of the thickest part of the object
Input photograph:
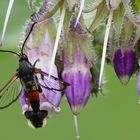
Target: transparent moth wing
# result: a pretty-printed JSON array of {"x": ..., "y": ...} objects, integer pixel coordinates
[{"x": 10, "y": 92}]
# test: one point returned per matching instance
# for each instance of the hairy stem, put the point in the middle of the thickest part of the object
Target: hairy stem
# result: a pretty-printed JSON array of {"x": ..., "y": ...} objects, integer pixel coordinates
[
  {"x": 48, "y": 8},
  {"x": 131, "y": 13}
]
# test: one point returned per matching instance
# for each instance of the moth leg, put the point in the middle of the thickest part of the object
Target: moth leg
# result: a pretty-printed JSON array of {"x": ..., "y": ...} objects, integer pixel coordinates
[
  {"x": 37, "y": 70},
  {"x": 43, "y": 96},
  {"x": 63, "y": 85},
  {"x": 36, "y": 62}
]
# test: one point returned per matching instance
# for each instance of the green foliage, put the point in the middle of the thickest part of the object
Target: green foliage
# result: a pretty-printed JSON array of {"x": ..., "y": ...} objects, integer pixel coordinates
[{"x": 114, "y": 116}]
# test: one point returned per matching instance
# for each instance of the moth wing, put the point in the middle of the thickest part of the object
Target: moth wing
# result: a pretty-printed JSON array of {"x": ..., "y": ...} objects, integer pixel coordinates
[{"x": 10, "y": 92}]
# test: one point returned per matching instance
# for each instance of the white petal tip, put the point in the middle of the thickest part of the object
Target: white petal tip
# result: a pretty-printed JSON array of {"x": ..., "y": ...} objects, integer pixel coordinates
[
  {"x": 57, "y": 109},
  {"x": 24, "y": 108},
  {"x": 77, "y": 137},
  {"x": 100, "y": 88}
]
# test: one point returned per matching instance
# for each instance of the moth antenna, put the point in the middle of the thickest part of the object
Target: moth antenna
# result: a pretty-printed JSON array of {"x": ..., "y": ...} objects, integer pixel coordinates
[
  {"x": 10, "y": 52},
  {"x": 76, "y": 126},
  {"x": 105, "y": 49},
  {"x": 30, "y": 31},
  {"x": 80, "y": 12},
  {"x": 11, "y": 2},
  {"x": 57, "y": 38}
]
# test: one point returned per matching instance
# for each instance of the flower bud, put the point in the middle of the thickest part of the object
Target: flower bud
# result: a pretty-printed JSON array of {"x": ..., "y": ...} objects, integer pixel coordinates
[{"x": 124, "y": 63}]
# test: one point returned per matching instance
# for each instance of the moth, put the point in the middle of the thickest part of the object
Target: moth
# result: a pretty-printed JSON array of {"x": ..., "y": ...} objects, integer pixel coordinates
[{"x": 26, "y": 74}]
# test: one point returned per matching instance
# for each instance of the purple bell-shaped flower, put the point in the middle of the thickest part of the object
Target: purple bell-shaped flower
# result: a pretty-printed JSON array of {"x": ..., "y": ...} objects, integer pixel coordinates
[
  {"x": 77, "y": 66},
  {"x": 124, "y": 63}
]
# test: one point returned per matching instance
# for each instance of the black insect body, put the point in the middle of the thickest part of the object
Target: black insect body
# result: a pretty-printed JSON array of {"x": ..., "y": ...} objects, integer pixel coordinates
[
  {"x": 27, "y": 74},
  {"x": 32, "y": 89}
]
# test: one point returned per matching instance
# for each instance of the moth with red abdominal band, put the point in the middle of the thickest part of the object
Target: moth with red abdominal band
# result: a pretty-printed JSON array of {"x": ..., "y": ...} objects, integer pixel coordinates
[{"x": 31, "y": 86}]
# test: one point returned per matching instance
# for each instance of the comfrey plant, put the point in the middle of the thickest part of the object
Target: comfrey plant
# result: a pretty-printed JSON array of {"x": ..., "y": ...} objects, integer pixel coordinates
[
  {"x": 79, "y": 49},
  {"x": 115, "y": 11},
  {"x": 124, "y": 52},
  {"x": 40, "y": 92},
  {"x": 77, "y": 65},
  {"x": 76, "y": 54}
]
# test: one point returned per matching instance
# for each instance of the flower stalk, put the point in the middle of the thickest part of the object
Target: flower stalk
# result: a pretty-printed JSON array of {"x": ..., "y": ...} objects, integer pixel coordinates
[
  {"x": 105, "y": 49},
  {"x": 57, "y": 38},
  {"x": 80, "y": 12},
  {"x": 76, "y": 126},
  {"x": 11, "y": 2}
]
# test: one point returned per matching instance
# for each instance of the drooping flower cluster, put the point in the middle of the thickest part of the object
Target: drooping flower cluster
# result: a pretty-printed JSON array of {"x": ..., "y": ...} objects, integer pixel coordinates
[
  {"x": 75, "y": 42},
  {"x": 80, "y": 59},
  {"x": 121, "y": 37},
  {"x": 76, "y": 55},
  {"x": 79, "y": 49}
]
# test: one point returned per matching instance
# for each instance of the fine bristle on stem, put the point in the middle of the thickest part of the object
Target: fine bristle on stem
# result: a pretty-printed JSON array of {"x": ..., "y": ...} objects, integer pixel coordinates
[
  {"x": 105, "y": 49},
  {"x": 6, "y": 20},
  {"x": 76, "y": 126},
  {"x": 57, "y": 39}
]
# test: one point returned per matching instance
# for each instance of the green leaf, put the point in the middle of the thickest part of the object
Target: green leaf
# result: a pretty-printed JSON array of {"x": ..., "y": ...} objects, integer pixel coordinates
[
  {"x": 101, "y": 15},
  {"x": 118, "y": 18},
  {"x": 42, "y": 31}
]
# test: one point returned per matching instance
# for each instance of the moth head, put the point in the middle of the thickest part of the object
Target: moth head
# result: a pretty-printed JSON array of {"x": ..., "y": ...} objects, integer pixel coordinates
[{"x": 23, "y": 57}]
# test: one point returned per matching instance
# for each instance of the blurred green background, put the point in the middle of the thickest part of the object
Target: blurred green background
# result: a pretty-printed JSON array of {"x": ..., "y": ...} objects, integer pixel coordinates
[{"x": 115, "y": 116}]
